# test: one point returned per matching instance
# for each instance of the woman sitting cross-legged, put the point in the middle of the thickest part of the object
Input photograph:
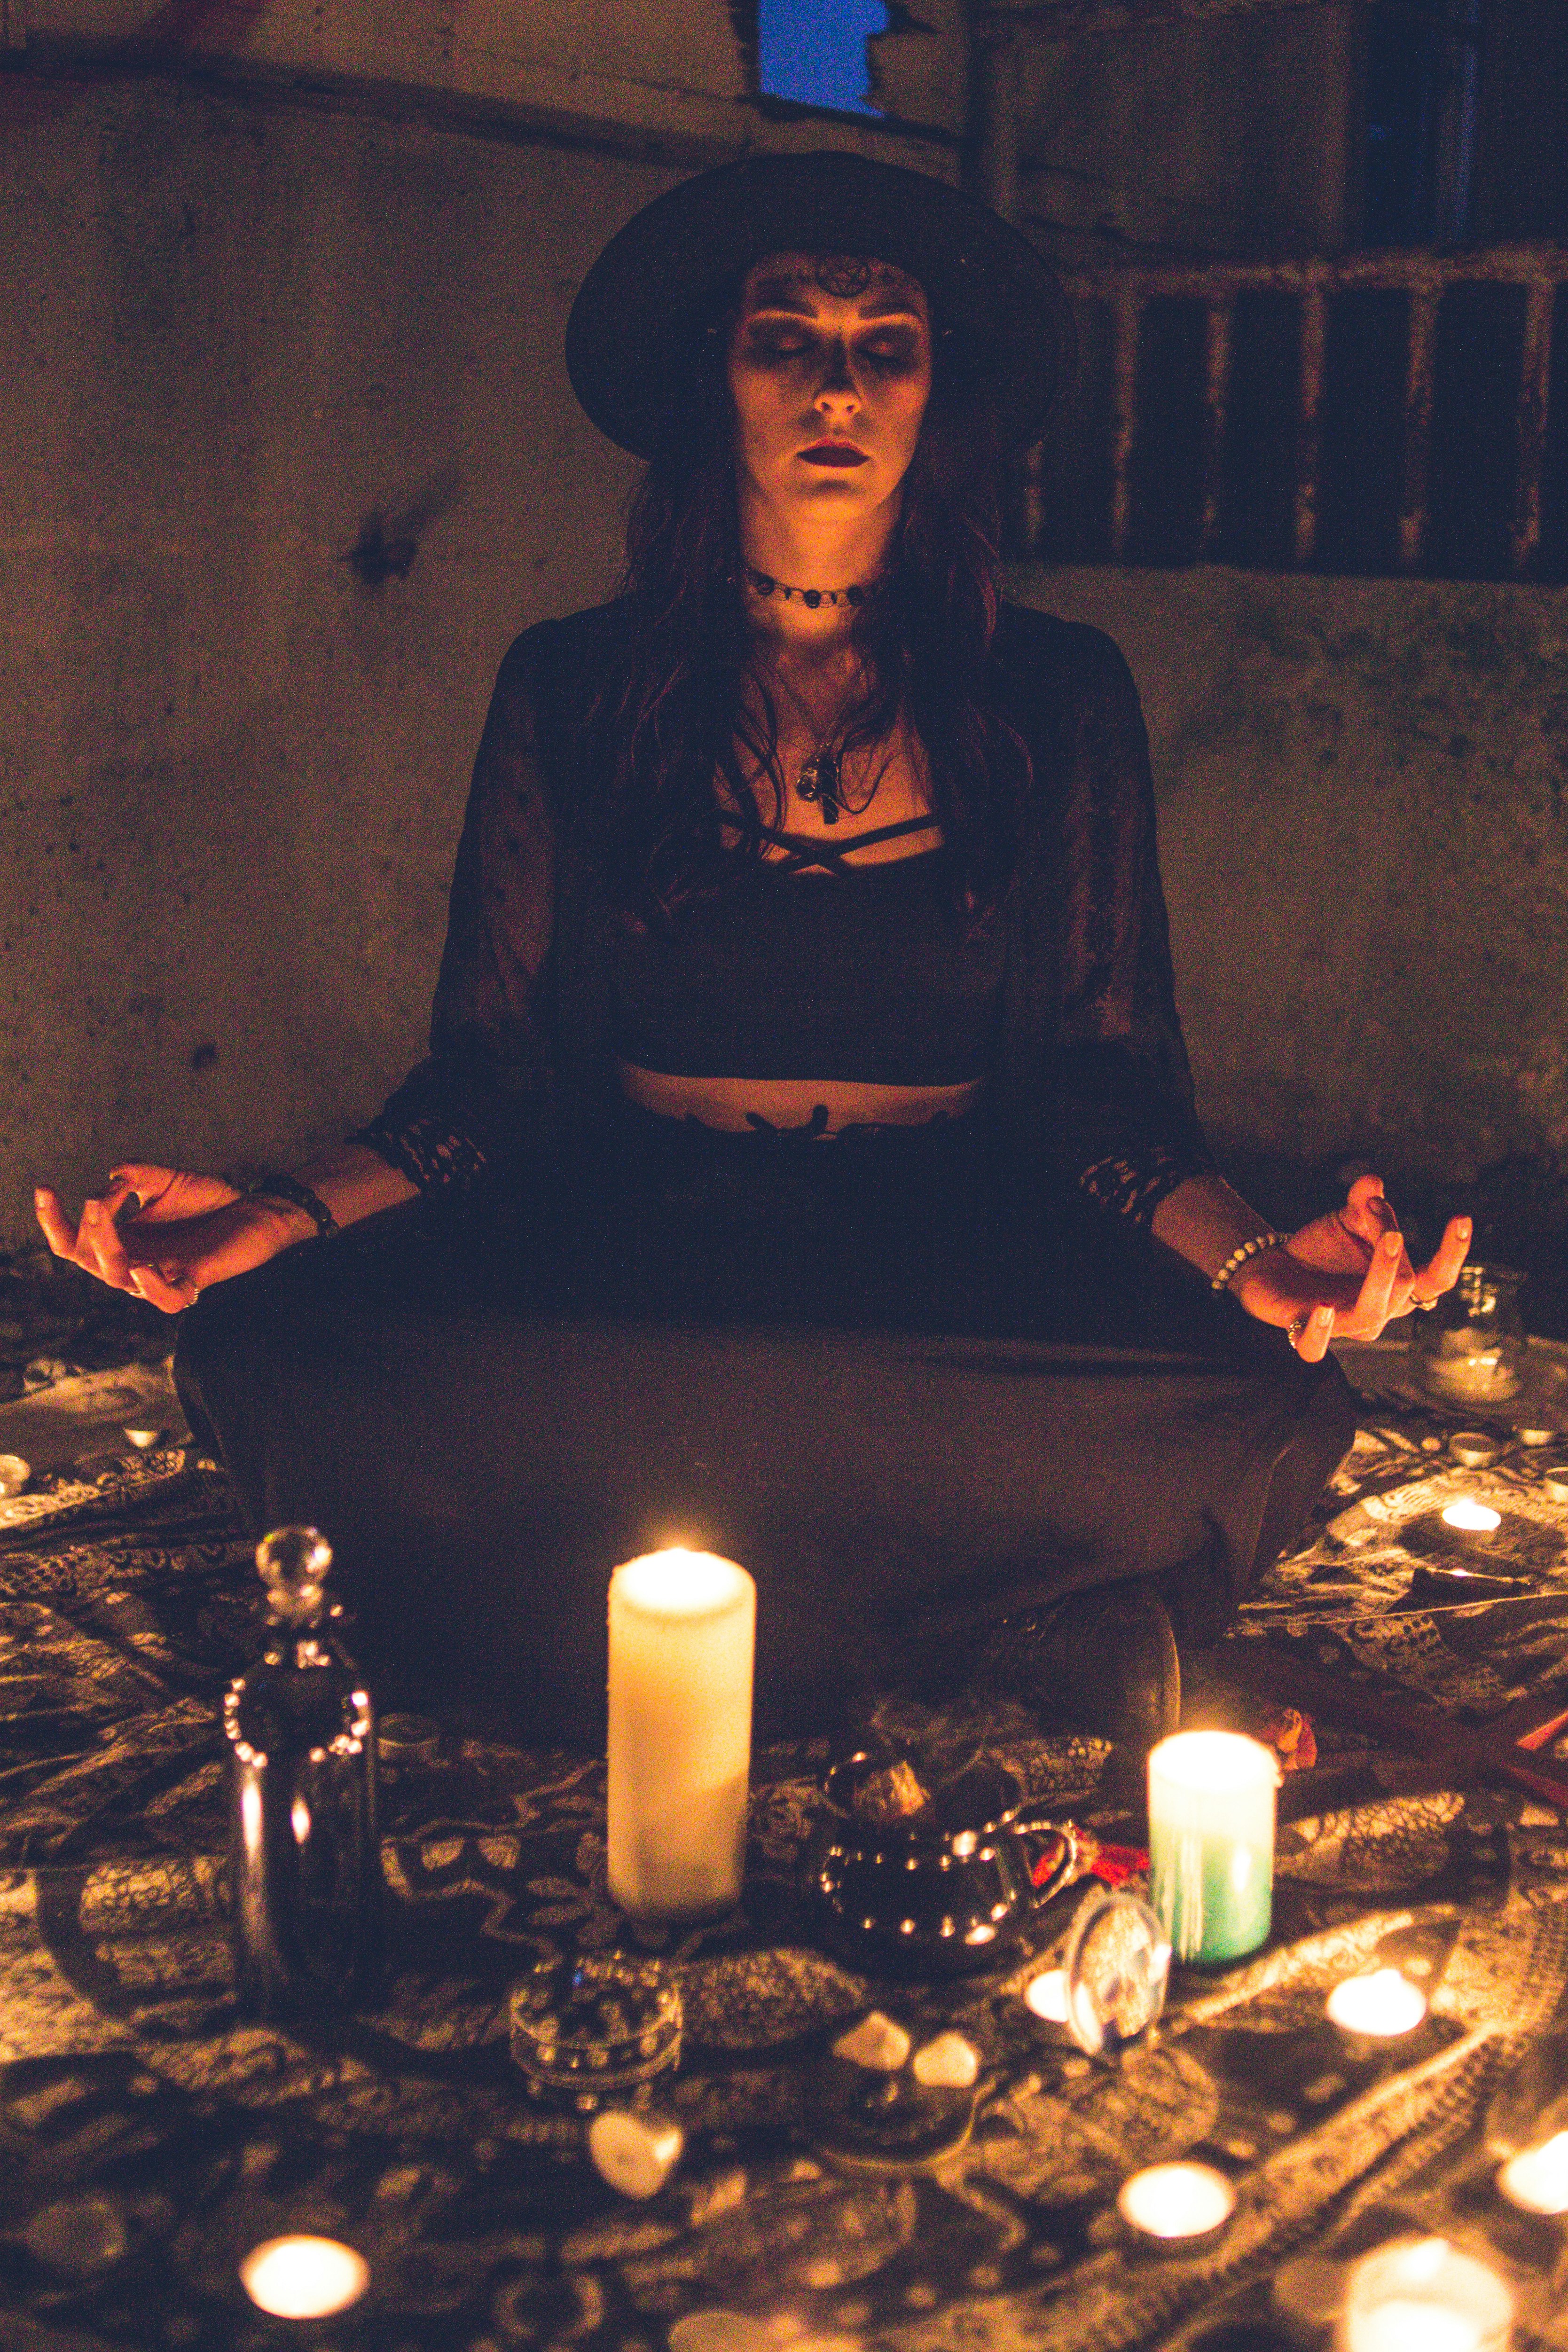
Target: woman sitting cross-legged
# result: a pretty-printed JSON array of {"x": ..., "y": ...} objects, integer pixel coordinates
[{"x": 805, "y": 1162}]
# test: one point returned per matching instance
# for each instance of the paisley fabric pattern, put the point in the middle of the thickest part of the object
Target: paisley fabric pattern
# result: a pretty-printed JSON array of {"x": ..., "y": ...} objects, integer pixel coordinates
[{"x": 152, "y": 2136}]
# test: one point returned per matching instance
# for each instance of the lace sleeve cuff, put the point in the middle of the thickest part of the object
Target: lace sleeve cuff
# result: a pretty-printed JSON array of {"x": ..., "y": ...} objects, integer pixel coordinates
[
  {"x": 1135, "y": 1186},
  {"x": 428, "y": 1153}
]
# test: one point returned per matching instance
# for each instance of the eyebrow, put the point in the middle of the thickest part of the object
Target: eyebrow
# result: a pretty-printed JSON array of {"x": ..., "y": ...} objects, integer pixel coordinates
[{"x": 781, "y": 294}]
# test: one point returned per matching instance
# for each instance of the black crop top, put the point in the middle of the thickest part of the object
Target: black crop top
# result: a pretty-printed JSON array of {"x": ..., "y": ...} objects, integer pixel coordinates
[
  {"x": 811, "y": 967},
  {"x": 1087, "y": 1072}
]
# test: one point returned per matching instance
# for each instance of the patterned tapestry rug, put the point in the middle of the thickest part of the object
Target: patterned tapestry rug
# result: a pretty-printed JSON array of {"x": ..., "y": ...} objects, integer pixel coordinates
[{"x": 152, "y": 2134}]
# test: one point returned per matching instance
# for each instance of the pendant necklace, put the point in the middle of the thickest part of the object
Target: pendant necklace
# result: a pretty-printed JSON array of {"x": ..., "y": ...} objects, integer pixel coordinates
[{"x": 820, "y": 780}]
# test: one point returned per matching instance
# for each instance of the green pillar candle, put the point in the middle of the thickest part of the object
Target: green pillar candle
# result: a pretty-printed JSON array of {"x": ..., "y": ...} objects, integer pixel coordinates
[{"x": 1210, "y": 1843}]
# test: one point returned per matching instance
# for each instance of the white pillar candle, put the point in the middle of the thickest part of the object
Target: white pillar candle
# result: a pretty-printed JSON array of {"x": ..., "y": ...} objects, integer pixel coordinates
[
  {"x": 1210, "y": 1843},
  {"x": 682, "y": 1632},
  {"x": 1421, "y": 2294}
]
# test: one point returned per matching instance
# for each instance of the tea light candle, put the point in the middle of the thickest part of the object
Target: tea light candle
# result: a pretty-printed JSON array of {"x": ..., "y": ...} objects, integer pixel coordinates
[
  {"x": 1468, "y": 1517},
  {"x": 1177, "y": 2201},
  {"x": 1483, "y": 1378},
  {"x": 635, "y": 2154},
  {"x": 682, "y": 1632},
  {"x": 303, "y": 2278},
  {"x": 1536, "y": 2179},
  {"x": 1046, "y": 1995},
  {"x": 1385, "y": 2003},
  {"x": 1210, "y": 1843},
  {"x": 1421, "y": 2294}
]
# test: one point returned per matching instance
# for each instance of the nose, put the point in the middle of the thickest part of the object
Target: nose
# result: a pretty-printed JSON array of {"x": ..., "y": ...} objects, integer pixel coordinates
[{"x": 837, "y": 392}]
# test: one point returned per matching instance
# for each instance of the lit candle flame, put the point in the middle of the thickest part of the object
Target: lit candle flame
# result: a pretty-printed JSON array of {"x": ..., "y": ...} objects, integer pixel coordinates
[
  {"x": 1536, "y": 2179},
  {"x": 1472, "y": 1518},
  {"x": 1423, "y": 2295},
  {"x": 1046, "y": 1995},
  {"x": 1383, "y": 2003},
  {"x": 1177, "y": 2201},
  {"x": 303, "y": 2278}
]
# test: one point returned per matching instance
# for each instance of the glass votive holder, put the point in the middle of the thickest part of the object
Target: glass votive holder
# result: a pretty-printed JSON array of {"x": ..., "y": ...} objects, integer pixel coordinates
[
  {"x": 1422, "y": 2295},
  {"x": 1115, "y": 1971},
  {"x": 1210, "y": 1843},
  {"x": 591, "y": 2031},
  {"x": 1469, "y": 1349}
]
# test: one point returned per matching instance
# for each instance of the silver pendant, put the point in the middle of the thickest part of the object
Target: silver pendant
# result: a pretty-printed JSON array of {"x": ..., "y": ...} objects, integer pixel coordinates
[{"x": 818, "y": 780}]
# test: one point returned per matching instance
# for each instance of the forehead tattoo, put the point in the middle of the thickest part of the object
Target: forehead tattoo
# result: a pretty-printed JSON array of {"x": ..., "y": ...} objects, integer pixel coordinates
[
  {"x": 789, "y": 280},
  {"x": 847, "y": 275}
]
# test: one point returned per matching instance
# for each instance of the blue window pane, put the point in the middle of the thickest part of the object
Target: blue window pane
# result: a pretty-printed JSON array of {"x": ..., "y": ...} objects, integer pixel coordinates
[{"x": 814, "y": 51}]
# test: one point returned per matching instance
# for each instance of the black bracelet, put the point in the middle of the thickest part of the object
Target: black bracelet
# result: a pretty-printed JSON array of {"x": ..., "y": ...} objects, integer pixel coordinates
[{"x": 276, "y": 1185}]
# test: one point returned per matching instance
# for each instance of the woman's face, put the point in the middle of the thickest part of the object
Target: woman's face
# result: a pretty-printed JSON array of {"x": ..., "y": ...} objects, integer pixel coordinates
[{"x": 829, "y": 368}]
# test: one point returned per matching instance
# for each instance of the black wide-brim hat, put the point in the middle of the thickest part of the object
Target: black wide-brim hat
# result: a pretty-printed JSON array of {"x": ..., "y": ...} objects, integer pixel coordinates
[{"x": 666, "y": 277}]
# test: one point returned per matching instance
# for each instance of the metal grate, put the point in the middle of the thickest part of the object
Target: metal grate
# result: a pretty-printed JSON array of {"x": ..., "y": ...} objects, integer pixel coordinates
[{"x": 1388, "y": 412}]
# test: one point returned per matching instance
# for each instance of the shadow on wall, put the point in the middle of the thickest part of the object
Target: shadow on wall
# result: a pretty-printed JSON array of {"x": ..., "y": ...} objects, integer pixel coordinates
[{"x": 388, "y": 543}]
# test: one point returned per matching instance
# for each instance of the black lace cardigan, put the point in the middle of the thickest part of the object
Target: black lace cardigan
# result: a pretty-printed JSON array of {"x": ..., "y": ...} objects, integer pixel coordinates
[{"x": 1090, "y": 1085}]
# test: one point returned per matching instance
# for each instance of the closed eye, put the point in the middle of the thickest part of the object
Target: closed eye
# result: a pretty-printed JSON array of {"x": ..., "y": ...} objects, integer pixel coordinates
[{"x": 889, "y": 353}]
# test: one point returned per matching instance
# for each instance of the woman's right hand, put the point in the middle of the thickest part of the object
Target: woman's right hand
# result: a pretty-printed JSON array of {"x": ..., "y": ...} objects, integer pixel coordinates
[{"x": 166, "y": 1235}]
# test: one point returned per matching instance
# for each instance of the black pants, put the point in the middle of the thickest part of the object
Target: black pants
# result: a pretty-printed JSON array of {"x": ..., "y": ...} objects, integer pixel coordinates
[{"x": 847, "y": 1365}]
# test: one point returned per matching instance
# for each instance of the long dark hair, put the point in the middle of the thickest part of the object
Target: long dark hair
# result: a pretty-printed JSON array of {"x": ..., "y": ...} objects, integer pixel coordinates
[{"x": 676, "y": 708}]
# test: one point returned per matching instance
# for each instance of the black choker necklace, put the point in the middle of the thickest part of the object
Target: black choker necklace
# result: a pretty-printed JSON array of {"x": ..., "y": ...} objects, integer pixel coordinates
[{"x": 764, "y": 584}]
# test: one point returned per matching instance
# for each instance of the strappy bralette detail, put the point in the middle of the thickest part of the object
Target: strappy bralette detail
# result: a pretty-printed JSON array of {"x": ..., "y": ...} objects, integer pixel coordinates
[{"x": 804, "y": 856}]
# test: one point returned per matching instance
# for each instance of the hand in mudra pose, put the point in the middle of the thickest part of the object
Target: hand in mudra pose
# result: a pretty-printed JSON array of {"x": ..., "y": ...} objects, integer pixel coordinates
[
  {"x": 1347, "y": 1275},
  {"x": 164, "y": 1233}
]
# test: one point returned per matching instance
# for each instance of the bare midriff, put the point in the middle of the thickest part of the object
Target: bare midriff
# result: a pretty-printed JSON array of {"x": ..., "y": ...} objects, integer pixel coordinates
[{"x": 736, "y": 1105}]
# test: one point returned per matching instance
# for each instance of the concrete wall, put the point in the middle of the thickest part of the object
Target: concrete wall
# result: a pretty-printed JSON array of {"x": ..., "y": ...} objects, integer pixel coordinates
[
  {"x": 239, "y": 340},
  {"x": 254, "y": 324},
  {"x": 1239, "y": 135},
  {"x": 245, "y": 337},
  {"x": 1365, "y": 840},
  {"x": 669, "y": 73}
]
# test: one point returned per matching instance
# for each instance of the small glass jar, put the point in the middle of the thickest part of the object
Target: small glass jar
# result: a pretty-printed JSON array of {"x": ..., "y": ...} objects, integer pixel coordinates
[{"x": 1469, "y": 1349}]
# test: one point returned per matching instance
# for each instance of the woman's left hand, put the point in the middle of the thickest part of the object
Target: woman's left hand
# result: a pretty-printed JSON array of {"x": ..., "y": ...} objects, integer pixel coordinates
[{"x": 1347, "y": 1275}]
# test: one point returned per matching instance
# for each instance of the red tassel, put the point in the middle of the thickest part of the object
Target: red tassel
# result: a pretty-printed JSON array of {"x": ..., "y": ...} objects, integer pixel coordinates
[{"x": 1116, "y": 1863}]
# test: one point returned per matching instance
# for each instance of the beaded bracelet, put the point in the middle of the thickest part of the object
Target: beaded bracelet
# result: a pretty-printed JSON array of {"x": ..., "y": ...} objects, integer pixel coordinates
[
  {"x": 276, "y": 1185},
  {"x": 1238, "y": 1258}
]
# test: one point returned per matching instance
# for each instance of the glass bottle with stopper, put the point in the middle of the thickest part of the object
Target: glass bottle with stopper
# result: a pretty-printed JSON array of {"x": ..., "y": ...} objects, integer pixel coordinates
[{"x": 304, "y": 1838}]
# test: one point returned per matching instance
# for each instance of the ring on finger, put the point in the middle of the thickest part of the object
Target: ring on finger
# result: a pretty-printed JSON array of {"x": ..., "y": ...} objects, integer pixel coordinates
[
  {"x": 1293, "y": 1330},
  {"x": 1425, "y": 1305}
]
